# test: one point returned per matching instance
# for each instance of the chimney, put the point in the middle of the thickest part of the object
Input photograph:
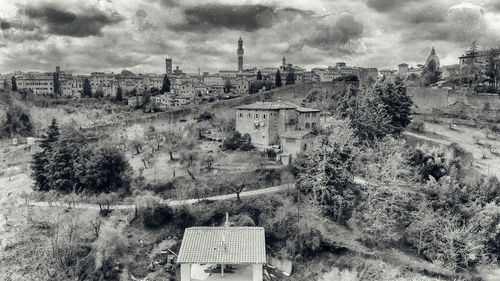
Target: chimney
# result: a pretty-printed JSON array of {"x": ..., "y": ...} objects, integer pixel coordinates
[{"x": 227, "y": 220}]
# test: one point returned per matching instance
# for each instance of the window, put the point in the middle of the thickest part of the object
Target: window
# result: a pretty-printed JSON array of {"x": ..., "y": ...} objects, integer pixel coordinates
[
  {"x": 308, "y": 126},
  {"x": 256, "y": 116},
  {"x": 264, "y": 116},
  {"x": 314, "y": 114},
  {"x": 313, "y": 125},
  {"x": 241, "y": 115},
  {"x": 248, "y": 115},
  {"x": 290, "y": 140}
]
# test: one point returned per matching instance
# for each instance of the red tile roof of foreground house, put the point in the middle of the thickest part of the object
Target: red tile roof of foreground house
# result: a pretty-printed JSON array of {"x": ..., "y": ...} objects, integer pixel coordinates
[{"x": 223, "y": 245}]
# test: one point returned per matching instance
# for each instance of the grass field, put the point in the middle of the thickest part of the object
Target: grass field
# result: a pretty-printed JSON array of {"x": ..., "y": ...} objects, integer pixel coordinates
[{"x": 470, "y": 138}]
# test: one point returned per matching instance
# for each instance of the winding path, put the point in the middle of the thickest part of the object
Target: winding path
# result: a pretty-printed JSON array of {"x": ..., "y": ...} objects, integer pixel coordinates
[{"x": 250, "y": 193}]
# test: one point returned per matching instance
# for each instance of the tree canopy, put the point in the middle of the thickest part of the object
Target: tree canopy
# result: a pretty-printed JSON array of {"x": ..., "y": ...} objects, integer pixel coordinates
[
  {"x": 68, "y": 163},
  {"x": 165, "y": 87},
  {"x": 87, "y": 89},
  {"x": 278, "y": 82}
]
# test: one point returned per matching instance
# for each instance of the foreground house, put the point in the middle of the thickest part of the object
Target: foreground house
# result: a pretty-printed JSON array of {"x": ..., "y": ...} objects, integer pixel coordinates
[{"x": 222, "y": 253}]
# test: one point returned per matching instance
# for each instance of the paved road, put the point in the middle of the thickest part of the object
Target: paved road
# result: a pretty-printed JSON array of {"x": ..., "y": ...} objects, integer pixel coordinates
[{"x": 243, "y": 194}]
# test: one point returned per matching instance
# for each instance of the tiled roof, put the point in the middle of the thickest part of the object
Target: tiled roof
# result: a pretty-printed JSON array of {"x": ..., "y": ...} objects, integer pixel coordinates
[
  {"x": 294, "y": 134},
  {"x": 305, "y": 109},
  {"x": 243, "y": 245},
  {"x": 268, "y": 105}
]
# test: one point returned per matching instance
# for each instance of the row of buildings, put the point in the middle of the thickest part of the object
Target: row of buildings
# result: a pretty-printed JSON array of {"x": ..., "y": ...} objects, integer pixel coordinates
[{"x": 473, "y": 58}]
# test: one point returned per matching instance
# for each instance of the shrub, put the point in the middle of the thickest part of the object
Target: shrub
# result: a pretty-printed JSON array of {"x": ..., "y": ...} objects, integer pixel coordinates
[
  {"x": 183, "y": 217},
  {"x": 417, "y": 126},
  {"x": 155, "y": 217},
  {"x": 237, "y": 141},
  {"x": 205, "y": 116}
]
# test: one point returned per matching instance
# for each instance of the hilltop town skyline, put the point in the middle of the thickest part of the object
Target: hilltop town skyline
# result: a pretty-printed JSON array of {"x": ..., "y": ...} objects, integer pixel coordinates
[{"x": 110, "y": 36}]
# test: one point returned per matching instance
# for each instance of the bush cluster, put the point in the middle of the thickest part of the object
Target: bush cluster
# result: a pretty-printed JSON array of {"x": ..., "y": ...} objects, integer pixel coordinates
[{"x": 236, "y": 141}]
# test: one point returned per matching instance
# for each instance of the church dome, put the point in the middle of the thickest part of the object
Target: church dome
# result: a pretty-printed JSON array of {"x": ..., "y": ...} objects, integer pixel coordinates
[{"x": 433, "y": 57}]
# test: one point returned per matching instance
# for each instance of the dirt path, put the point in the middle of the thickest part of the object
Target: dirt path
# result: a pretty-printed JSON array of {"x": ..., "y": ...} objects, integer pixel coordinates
[{"x": 244, "y": 194}]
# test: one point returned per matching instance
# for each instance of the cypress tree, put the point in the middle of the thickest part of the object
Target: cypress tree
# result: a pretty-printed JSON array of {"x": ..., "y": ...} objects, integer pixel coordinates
[
  {"x": 14, "y": 83},
  {"x": 57, "y": 84},
  {"x": 290, "y": 79},
  {"x": 278, "y": 79},
  {"x": 41, "y": 159},
  {"x": 259, "y": 75},
  {"x": 87, "y": 89},
  {"x": 119, "y": 95},
  {"x": 165, "y": 87}
]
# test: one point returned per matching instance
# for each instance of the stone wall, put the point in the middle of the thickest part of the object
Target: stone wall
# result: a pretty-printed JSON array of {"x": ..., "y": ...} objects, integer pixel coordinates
[{"x": 430, "y": 100}]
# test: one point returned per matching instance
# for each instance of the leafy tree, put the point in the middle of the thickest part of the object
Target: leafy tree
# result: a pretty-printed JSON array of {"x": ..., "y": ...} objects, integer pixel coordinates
[
  {"x": 205, "y": 116},
  {"x": 259, "y": 75},
  {"x": 278, "y": 79},
  {"x": 325, "y": 173},
  {"x": 14, "y": 83},
  {"x": 5, "y": 85},
  {"x": 290, "y": 78},
  {"x": 430, "y": 74},
  {"x": 68, "y": 164},
  {"x": 57, "y": 84},
  {"x": 98, "y": 94},
  {"x": 145, "y": 99},
  {"x": 172, "y": 142},
  {"x": 105, "y": 170},
  {"x": 237, "y": 141},
  {"x": 165, "y": 87},
  {"x": 119, "y": 95},
  {"x": 493, "y": 67},
  {"x": 376, "y": 111},
  {"x": 228, "y": 86},
  {"x": 16, "y": 122},
  {"x": 67, "y": 155},
  {"x": 397, "y": 103},
  {"x": 87, "y": 89}
]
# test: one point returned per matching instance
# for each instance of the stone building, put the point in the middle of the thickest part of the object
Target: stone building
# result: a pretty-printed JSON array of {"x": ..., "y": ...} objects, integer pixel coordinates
[
  {"x": 266, "y": 121},
  {"x": 294, "y": 143},
  {"x": 478, "y": 58},
  {"x": 403, "y": 70}
]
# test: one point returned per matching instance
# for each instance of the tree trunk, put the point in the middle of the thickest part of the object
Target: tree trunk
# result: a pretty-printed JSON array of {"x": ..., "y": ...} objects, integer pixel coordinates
[
  {"x": 171, "y": 155},
  {"x": 238, "y": 197}
]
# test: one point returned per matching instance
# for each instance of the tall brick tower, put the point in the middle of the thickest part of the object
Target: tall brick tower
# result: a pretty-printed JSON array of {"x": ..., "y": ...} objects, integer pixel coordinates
[
  {"x": 240, "y": 54},
  {"x": 168, "y": 66}
]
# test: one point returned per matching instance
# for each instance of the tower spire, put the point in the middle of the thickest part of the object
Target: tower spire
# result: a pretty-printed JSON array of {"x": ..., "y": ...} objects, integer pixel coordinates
[{"x": 240, "y": 52}]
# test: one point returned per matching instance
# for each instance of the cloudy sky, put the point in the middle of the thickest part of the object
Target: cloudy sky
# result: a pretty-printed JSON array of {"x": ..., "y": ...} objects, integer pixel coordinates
[{"x": 111, "y": 35}]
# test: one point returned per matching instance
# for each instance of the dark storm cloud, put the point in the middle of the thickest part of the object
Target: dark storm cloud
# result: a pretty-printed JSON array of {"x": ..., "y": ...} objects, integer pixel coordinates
[
  {"x": 4, "y": 25},
  {"x": 245, "y": 17},
  {"x": 426, "y": 14},
  {"x": 387, "y": 5},
  {"x": 328, "y": 36},
  {"x": 62, "y": 22},
  {"x": 493, "y": 5}
]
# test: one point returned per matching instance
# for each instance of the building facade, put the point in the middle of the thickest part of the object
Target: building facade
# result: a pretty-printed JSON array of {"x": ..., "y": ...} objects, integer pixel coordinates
[{"x": 266, "y": 121}]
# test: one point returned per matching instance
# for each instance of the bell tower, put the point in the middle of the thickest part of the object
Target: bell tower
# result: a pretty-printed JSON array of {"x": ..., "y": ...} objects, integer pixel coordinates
[{"x": 240, "y": 52}]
